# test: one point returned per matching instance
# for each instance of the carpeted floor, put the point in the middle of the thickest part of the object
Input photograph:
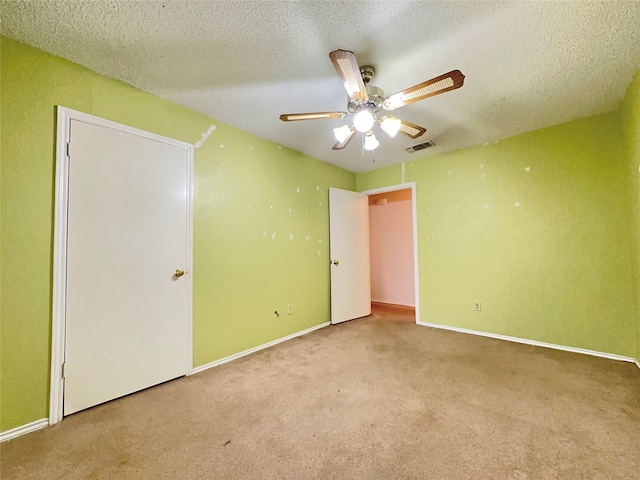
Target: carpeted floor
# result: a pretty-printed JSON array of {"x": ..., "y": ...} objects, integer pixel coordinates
[{"x": 375, "y": 398}]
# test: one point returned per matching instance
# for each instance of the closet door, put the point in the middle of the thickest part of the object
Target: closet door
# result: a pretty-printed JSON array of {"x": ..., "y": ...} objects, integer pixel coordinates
[{"x": 128, "y": 294}]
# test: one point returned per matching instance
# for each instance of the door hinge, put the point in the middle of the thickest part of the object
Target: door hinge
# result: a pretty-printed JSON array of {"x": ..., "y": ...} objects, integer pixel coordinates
[
  {"x": 68, "y": 149},
  {"x": 64, "y": 369}
]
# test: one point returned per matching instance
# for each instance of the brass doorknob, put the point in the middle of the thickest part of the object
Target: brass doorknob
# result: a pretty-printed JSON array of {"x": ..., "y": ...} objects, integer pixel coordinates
[
  {"x": 336, "y": 262},
  {"x": 179, "y": 272}
]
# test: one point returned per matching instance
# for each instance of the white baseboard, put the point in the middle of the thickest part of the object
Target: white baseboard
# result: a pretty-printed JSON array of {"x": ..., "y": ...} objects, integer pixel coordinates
[
  {"x": 256, "y": 349},
  {"x": 535, "y": 343},
  {"x": 24, "y": 429},
  {"x": 637, "y": 362}
]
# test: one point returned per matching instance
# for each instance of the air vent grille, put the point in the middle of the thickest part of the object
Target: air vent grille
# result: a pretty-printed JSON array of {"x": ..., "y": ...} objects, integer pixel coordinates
[{"x": 420, "y": 146}]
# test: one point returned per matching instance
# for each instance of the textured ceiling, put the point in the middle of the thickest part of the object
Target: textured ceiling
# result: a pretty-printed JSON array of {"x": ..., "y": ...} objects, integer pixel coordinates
[{"x": 527, "y": 64}]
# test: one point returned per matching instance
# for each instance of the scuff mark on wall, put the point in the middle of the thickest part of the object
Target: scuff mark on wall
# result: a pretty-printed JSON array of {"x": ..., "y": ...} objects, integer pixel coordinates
[{"x": 204, "y": 136}]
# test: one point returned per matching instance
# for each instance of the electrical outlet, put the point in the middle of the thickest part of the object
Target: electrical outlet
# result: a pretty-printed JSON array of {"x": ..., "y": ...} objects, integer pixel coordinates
[
  {"x": 477, "y": 306},
  {"x": 289, "y": 309}
]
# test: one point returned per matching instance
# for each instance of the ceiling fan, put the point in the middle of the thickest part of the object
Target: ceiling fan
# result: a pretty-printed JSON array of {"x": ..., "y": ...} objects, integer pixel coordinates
[{"x": 367, "y": 103}]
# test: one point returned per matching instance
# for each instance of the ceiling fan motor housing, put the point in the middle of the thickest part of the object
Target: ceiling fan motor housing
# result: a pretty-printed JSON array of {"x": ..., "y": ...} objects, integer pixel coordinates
[
  {"x": 375, "y": 95},
  {"x": 375, "y": 98}
]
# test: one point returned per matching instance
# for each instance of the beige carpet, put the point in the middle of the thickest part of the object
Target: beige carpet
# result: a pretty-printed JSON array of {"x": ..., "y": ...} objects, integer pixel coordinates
[{"x": 375, "y": 398}]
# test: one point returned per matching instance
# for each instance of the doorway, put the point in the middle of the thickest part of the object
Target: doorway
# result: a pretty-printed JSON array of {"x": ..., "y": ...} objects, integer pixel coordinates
[
  {"x": 393, "y": 250},
  {"x": 350, "y": 260}
]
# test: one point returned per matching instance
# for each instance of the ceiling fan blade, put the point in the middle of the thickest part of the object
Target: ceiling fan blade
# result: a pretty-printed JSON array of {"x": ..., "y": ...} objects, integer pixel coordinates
[
  {"x": 294, "y": 117},
  {"x": 345, "y": 142},
  {"x": 411, "y": 130},
  {"x": 435, "y": 86},
  {"x": 346, "y": 65}
]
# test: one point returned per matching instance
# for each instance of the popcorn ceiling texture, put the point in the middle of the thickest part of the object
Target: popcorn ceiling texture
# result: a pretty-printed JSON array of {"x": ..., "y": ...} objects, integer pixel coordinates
[{"x": 528, "y": 64}]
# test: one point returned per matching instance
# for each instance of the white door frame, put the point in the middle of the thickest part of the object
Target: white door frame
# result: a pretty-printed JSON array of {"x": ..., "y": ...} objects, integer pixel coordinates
[
  {"x": 414, "y": 215},
  {"x": 64, "y": 117}
]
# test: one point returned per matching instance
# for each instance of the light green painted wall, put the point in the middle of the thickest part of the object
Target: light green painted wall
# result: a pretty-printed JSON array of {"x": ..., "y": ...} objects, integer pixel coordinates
[
  {"x": 534, "y": 226},
  {"x": 241, "y": 273},
  {"x": 630, "y": 113}
]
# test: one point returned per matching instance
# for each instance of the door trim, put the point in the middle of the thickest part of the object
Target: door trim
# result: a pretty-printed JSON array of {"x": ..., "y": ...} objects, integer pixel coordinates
[
  {"x": 59, "y": 307},
  {"x": 414, "y": 215}
]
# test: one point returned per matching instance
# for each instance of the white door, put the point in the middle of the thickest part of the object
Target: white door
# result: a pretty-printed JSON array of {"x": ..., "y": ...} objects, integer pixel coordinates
[
  {"x": 349, "y": 245},
  {"x": 128, "y": 314}
]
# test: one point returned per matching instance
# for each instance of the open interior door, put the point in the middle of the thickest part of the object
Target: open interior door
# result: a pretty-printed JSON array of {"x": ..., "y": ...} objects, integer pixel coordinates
[{"x": 349, "y": 246}]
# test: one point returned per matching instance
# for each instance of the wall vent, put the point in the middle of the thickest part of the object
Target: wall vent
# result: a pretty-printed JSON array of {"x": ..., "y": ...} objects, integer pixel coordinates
[{"x": 420, "y": 146}]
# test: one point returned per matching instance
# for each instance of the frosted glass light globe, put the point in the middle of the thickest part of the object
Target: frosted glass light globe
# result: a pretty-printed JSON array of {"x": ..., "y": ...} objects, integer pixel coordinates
[
  {"x": 391, "y": 125},
  {"x": 343, "y": 132},
  {"x": 370, "y": 141},
  {"x": 363, "y": 121}
]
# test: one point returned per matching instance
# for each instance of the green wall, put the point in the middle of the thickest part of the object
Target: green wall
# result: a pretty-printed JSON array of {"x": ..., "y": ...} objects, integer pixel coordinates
[
  {"x": 630, "y": 113},
  {"x": 246, "y": 190},
  {"x": 535, "y": 227}
]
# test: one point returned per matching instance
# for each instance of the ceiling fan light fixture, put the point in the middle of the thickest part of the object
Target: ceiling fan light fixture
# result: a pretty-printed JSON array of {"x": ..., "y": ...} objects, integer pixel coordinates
[
  {"x": 343, "y": 132},
  {"x": 391, "y": 125},
  {"x": 363, "y": 120},
  {"x": 366, "y": 100},
  {"x": 370, "y": 141}
]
